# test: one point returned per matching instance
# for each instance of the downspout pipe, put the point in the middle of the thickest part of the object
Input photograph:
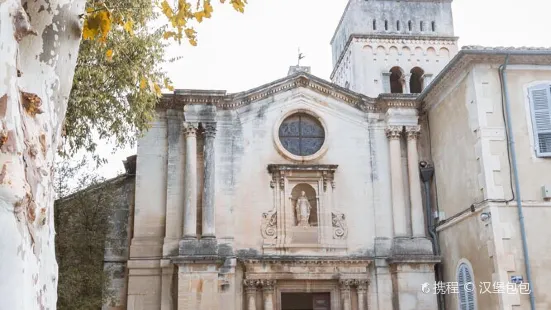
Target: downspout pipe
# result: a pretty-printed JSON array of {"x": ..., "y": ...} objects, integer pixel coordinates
[
  {"x": 426, "y": 172},
  {"x": 511, "y": 138}
]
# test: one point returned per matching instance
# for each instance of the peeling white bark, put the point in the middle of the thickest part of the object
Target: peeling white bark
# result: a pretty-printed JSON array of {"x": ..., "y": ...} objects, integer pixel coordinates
[{"x": 37, "y": 62}]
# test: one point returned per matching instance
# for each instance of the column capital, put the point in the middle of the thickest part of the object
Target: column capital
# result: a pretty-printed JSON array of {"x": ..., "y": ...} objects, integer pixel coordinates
[
  {"x": 267, "y": 285},
  {"x": 251, "y": 285},
  {"x": 189, "y": 129},
  {"x": 209, "y": 129},
  {"x": 346, "y": 284},
  {"x": 413, "y": 132},
  {"x": 394, "y": 132},
  {"x": 361, "y": 285}
]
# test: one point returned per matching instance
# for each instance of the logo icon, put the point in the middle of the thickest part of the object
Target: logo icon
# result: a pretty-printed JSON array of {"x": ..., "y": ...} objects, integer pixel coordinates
[{"x": 425, "y": 288}]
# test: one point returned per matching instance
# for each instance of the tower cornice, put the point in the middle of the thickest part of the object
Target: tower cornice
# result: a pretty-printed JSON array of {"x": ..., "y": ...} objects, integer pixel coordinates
[{"x": 393, "y": 38}]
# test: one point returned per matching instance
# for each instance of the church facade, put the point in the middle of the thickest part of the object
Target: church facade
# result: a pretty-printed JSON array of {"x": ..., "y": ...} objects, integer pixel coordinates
[{"x": 309, "y": 194}]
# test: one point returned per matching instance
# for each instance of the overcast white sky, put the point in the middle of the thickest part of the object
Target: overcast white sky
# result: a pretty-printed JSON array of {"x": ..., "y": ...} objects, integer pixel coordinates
[{"x": 237, "y": 51}]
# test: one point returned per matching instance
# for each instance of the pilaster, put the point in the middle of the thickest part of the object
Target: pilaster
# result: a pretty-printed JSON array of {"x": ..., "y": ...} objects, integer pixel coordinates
[
  {"x": 417, "y": 214},
  {"x": 208, "y": 216},
  {"x": 394, "y": 134}
]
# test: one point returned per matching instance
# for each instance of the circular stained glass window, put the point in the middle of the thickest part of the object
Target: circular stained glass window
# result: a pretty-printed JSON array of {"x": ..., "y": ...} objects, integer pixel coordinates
[{"x": 301, "y": 134}]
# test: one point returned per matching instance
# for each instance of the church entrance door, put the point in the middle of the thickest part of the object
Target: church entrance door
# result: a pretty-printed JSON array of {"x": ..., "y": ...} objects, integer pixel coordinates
[{"x": 305, "y": 301}]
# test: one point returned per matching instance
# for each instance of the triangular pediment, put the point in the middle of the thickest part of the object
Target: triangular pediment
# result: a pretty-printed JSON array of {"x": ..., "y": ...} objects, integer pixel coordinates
[{"x": 225, "y": 101}]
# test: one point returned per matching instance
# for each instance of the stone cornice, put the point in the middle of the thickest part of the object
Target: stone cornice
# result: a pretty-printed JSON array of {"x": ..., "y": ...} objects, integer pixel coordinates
[
  {"x": 291, "y": 167},
  {"x": 225, "y": 101},
  {"x": 408, "y": 101},
  {"x": 306, "y": 260},
  {"x": 472, "y": 55},
  {"x": 392, "y": 38}
]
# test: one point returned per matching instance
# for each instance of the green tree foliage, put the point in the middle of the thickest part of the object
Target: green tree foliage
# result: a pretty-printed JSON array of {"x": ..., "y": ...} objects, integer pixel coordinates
[
  {"x": 118, "y": 79},
  {"x": 82, "y": 225}
]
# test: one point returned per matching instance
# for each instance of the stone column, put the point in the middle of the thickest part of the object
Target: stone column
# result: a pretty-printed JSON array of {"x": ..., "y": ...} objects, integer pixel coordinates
[
  {"x": 190, "y": 182},
  {"x": 345, "y": 293},
  {"x": 398, "y": 202},
  {"x": 208, "y": 182},
  {"x": 361, "y": 289},
  {"x": 417, "y": 214},
  {"x": 250, "y": 289},
  {"x": 407, "y": 79},
  {"x": 268, "y": 293}
]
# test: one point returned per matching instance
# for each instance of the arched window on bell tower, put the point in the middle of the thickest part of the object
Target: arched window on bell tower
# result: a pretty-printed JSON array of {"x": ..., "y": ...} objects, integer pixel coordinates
[
  {"x": 416, "y": 81},
  {"x": 396, "y": 80}
]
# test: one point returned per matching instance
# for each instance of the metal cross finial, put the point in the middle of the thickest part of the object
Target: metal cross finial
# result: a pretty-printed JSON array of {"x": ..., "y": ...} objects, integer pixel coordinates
[{"x": 300, "y": 56}]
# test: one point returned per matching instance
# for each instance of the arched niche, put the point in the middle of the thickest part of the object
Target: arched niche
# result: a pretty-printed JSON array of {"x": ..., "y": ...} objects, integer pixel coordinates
[
  {"x": 396, "y": 80},
  {"x": 416, "y": 82},
  {"x": 310, "y": 194}
]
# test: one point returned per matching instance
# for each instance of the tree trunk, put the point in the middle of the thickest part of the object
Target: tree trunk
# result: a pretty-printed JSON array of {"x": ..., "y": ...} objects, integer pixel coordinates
[{"x": 39, "y": 41}]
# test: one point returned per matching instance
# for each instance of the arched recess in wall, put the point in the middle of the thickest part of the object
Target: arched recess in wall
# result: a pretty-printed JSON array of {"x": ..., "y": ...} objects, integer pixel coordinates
[
  {"x": 393, "y": 51},
  {"x": 416, "y": 82},
  {"x": 368, "y": 49},
  {"x": 381, "y": 50},
  {"x": 396, "y": 80},
  {"x": 444, "y": 53},
  {"x": 431, "y": 53},
  {"x": 311, "y": 195},
  {"x": 406, "y": 51}
]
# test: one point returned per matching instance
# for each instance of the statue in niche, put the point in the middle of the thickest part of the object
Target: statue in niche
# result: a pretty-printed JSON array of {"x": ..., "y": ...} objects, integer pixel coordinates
[{"x": 303, "y": 210}]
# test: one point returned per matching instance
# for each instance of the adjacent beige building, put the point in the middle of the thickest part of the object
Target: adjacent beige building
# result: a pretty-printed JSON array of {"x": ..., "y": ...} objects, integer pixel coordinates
[{"x": 308, "y": 194}]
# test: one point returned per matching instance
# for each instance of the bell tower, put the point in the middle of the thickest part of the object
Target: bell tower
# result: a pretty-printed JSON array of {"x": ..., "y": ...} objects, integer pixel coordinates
[{"x": 392, "y": 46}]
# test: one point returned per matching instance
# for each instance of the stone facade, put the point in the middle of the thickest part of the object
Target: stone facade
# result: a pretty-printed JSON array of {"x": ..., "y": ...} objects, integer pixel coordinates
[{"x": 302, "y": 189}]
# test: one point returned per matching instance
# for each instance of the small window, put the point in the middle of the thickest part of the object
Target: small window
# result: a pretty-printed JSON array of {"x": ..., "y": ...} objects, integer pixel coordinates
[
  {"x": 386, "y": 24},
  {"x": 433, "y": 26},
  {"x": 398, "y": 25},
  {"x": 374, "y": 24},
  {"x": 410, "y": 25},
  {"x": 422, "y": 26},
  {"x": 467, "y": 287},
  {"x": 416, "y": 80},
  {"x": 540, "y": 108}
]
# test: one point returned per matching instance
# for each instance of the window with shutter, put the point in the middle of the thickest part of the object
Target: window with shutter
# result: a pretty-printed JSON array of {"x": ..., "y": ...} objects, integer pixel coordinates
[
  {"x": 466, "y": 287},
  {"x": 540, "y": 107}
]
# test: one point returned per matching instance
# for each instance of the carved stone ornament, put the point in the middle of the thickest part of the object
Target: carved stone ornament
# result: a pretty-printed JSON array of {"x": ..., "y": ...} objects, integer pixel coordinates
[
  {"x": 340, "y": 230},
  {"x": 346, "y": 284},
  {"x": 413, "y": 132},
  {"x": 209, "y": 130},
  {"x": 267, "y": 285},
  {"x": 328, "y": 177},
  {"x": 394, "y": 132},
  {"x": 251, "y": 285},
  {"x": 361, "y": 285},
  {"x": 269, "y": 225},
  {"x": 190, "y": 129}
]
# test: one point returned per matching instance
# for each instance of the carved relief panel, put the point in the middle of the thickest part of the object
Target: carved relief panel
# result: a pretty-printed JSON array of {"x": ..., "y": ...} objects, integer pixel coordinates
[{"x": 304, "y": 215}]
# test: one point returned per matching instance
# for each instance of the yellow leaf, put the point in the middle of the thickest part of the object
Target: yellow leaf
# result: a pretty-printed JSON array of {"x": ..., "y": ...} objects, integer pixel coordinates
[
  {"x": 157, "y": 89},
  {"x": 169, "y": 34},
  {"x": 167, "y": 10},
  {"x": 105, "y": 23},
  {"x": 168, "y": 86},
  {"x": 89, "y": 10},
  {"x": 129, "y": 26},
  {"x": 199, "y": 16},
  {"x": 143, "y": 83},
  {"x": 193, "y": 42},
  {"x": 109, "y": 54}
]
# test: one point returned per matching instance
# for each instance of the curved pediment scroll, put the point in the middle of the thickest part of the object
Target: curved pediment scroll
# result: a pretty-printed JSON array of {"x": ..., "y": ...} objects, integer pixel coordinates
[
  {"x": 269, "y": 225},
  {"x": 340, "y": 229}
]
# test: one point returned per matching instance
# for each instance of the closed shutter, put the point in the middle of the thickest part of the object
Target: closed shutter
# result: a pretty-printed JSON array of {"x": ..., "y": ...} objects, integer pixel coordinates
[
  {"x": 466, "y": 296},
  {"x": 540, "y": 106}
]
